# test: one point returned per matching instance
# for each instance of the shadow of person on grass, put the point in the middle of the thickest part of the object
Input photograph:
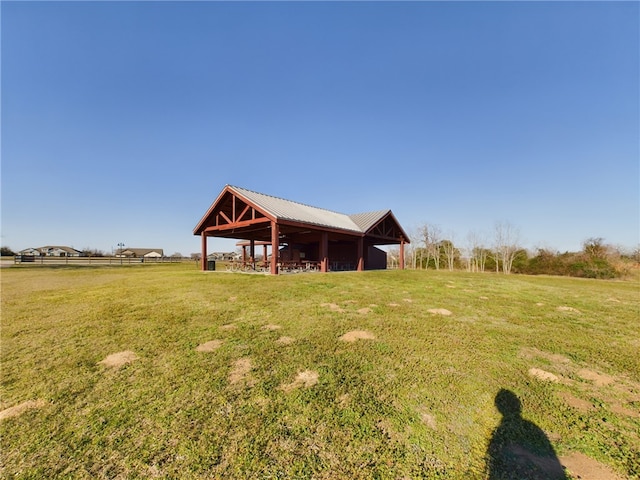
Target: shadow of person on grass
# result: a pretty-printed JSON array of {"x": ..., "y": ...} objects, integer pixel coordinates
[{"x": 519, "y": 449}]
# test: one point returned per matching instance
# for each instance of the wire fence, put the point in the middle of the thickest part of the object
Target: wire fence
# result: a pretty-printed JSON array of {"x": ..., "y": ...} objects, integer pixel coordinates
[{"x": 115, "y": 261}]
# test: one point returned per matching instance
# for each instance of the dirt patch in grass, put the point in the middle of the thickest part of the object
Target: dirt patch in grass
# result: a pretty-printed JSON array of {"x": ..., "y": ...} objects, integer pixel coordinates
[
  {"x": 354, "y": 335},
  {"x": 364, "y": 311},
  {"x": 567, "y": 309},
  {"x": 440, "y": 311},
  {"x": 408, "y": 300},
  {"x": 598, "y": 379},
  {"x": 233, "y": 299},
  {"x": 334, "y": 307},
  {"x": 344, "y": 400},
  {"x": 19, "y": 409},
  {"x": 554, "y": 358},
  {"x": 622, "y": 410},
  {"x": 543, "y": 375},
  {"x": 209, "y": 346},
  {"x": 229, "y": 327},
  {"x": 577, "y": 403},
  {"x": 285, "y": 340},
  {"x": 394, "y": 304},
  {"x": 240, "y": 372},
  {"x": 427, "y": 418},
  {"x": 586, "y": 468},
  {"x": 306, "y": 379},
  {"x": 271, "y": 327},
  {"x": 117, "y": 360}
]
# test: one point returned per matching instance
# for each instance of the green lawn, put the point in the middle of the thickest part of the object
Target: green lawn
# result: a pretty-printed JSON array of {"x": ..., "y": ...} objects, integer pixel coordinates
[{"x": 416, "y": 401}]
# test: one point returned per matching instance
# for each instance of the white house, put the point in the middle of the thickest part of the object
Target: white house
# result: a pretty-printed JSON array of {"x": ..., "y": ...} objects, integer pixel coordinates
[
  {"x": 51, "y": 251},
  {"x": 140, "y": 252}
]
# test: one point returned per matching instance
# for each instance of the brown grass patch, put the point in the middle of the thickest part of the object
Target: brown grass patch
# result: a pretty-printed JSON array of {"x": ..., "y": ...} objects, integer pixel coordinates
[
  {"x": 394, "y": 304},
  {"x": 440, "y": 311},
  {"x": 426, "y": 417},
  {"x": 271, "y": 327},
  {"x": 334, "y": 307},
  {"x": 117, "y": 360},
  {"x": 240, "y": 371},
  {"x": 229, "y": 327},
  {"x": 354, "y": 335},
  {"x": 543, "y": 375},
  {"x": 577, "y": 403},
  {"x": 567, "y": 309},
  {"x": 19, "y": 409},
  {"x": 344, "y": 399},
  {"x": 305, "y": 379},
  {"x": 598, "y": 379},
  {"x": 364, "y": 311},
  {"x": 586, "y": 468},
  {"x": 209, "y": 346},
  {"x": 285, "y": 340},
  {"x": 554, "y": 358}
]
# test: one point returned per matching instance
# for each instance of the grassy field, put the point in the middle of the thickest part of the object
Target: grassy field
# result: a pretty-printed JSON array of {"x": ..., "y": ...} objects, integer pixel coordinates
[{"x": 249, "y": 376}]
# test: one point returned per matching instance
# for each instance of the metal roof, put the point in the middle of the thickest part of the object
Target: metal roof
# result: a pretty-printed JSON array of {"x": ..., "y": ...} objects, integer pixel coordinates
[
  {"x": 367, "y": 220},
  {"x": 298, "y": 212}
]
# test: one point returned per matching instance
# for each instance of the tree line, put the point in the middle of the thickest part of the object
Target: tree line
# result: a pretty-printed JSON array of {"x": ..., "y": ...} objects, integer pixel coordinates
[{"x": 502, "y": 252}]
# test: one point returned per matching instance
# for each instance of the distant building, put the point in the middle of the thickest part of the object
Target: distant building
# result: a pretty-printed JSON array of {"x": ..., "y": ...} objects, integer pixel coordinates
[
  {"x": 224, "y": 256},
  {"x": 140, "y": 252},
  {"x": 51, "y": 251}
]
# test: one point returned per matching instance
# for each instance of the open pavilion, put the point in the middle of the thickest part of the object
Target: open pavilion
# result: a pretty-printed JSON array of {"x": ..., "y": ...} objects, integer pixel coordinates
[{"x": 299, "y": 234}]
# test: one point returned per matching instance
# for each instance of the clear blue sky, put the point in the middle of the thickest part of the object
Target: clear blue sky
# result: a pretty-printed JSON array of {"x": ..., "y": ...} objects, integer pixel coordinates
[{"x": 121, "y": 122}]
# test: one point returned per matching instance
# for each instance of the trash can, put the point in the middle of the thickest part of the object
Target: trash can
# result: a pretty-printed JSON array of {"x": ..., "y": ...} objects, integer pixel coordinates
[{"x": 211, "y": 264}]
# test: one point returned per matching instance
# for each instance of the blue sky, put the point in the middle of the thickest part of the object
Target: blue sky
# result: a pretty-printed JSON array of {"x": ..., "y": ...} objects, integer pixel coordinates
[{"x": 122, "y": 121}]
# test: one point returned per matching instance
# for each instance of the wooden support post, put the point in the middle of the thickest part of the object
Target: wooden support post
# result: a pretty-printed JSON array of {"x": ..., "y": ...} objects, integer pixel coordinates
[
  {"x": 324, "y": 252},
  {"x": 252, "y": 253},
  {"x": 203, "y": 238},
  {"x": 244, "y": 255},
  {"x": 275, "y": 246},
  {"x": 401, "y": 260},
  {"x": 360, "y": 266},
  {"x": 264, "y": 255}
]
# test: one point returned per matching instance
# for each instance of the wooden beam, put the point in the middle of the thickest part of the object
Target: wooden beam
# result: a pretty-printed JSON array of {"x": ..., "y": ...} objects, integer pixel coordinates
[
  {"x": 264, "y": 255},
  {"x": 401, "y": 260},
  {"x": 324, "y": 252},
  {"x": 225, "y": 217},
  {"x": 360, "y": 266},
  {"x": 231, "y": 226},
  {"x": 203, "y": 239},
  {"x": 242, "y": 214},
  {"x": 275, "y": 247},
  {"x": 233, "y": 208}
]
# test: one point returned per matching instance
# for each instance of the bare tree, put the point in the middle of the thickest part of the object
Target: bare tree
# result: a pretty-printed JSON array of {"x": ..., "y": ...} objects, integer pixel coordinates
[
  {"x": 431, "y": 236},
  {"x": 506, "y": 246},
  {"x": 449, "y": 250},
  {"x": 393, "y": 256},
  {"x": 412, "y": 250},
  {"x": 477, "y": 251}
]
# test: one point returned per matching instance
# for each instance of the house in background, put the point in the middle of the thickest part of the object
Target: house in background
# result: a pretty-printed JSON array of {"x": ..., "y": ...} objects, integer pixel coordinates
[
  {"x": 140, "y": 253},
  {"x": 224, "y": 256},
  {"x": 51, "y": 251}
]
